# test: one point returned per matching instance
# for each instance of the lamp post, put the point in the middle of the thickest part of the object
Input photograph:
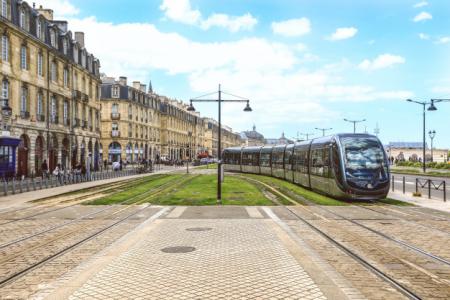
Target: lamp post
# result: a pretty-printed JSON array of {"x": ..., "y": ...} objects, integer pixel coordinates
[
  {"x": 324, "y": 130},
  {"x": 307, "y": 135},
  {"x": 354, "y": 123},
  {"x": 219, "y": 101},
  {"x": 189, "y": 151},
  {"x": 432, "y": 134},
  {"x": 430, "y": 108}
]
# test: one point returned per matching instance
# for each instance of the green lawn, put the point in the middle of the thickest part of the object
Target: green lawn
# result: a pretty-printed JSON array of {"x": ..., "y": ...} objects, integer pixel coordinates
[
  {"x": 417, "y": 171},
  {"x": 136, "y": 192},
  {"x": 209, "y": 166},
  {"x": 202, "y": 190},
  {"x": 296, "y": 192}
]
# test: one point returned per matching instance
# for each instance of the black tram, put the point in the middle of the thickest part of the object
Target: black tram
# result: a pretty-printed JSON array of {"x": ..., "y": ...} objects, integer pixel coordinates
[
  {"x": 8, "y": 146},
  {"x": 344, "y": 166}
]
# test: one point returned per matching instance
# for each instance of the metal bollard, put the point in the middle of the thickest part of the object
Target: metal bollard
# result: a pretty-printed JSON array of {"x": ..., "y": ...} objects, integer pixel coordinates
[
  {"x": 404, "y": 184},
  {"x": 445, "y": 192},
  {"x": 28, "y": 185},
  {"x": 14, "y": 186},
  {"x": 417, "y": 185},
  {"x": 33, "y": 183},
  {"x": 5, "y": 187},
  {"x": 429, "y": 188},
  {"x": 20, "y": 185},
  {"x": 393, "y": 183}
]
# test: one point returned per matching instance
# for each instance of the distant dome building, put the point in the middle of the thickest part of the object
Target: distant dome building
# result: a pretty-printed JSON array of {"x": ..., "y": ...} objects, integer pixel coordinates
[
  {"x": 252, "y": 138},
  {"x": 280, "y": 141}
]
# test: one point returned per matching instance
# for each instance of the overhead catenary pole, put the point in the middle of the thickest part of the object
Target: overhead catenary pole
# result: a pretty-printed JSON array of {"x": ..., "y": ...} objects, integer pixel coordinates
[{"x": 354, "y": 123}]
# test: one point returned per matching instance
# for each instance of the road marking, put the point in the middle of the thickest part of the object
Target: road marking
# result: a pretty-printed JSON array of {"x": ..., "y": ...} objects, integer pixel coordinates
[
  {"x": 253, "y": 212},
  {"x": 177, "y": 212}
]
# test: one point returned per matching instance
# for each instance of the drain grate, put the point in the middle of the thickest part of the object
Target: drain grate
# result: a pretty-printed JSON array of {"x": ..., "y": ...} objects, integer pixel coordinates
[
  {"x": 178, "y": 249},
  {"x": 199, "y": 229}
]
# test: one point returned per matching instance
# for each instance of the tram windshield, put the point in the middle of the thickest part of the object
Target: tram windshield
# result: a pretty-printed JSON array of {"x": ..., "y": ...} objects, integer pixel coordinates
[{"x": 364, "y": 161}]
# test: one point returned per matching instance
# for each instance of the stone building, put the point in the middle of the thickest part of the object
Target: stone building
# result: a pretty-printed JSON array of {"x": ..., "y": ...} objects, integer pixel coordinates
[
  {"x": 182, "y": 133},
  {"x": 228, "y": 137},
  {"x": 130, "y": 121},
  {"x": 51, "y": 83},
  {"x": 283, "y": 140},
  {"x": 413, "y": 151},
  {"x": 252, "y": 138}
]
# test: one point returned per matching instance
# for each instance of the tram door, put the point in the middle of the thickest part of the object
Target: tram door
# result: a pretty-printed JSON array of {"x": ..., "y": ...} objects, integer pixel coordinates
[{"x": 23, "y": 157}]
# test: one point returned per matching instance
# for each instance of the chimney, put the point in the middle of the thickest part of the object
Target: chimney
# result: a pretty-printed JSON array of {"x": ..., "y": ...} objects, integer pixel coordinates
[
  {"x": 143, "y": 88},
  {"x": 79, "y": 37},
  {"x": 123, "y": 80},
  {"x": 47, "y": 13},
  {"x": 137, "y": 85}
]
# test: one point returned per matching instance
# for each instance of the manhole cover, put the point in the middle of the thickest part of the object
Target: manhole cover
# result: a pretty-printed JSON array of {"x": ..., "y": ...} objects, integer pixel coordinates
[
  {"x": 199, "y": 229},
  {"x": 178, "y": 249}
]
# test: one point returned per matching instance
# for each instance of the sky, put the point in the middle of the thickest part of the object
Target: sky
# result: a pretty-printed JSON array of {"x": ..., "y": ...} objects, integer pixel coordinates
[{"x": 304, "y": 64}]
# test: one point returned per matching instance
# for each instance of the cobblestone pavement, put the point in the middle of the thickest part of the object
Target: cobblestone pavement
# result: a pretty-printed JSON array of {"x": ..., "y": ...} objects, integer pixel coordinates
[{"x": 231, "y": 253}]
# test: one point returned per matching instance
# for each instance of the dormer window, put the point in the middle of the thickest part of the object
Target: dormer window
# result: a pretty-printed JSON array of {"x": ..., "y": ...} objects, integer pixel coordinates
[
  {"x": 22, "y": 18},
  {"x": 115, "y": 91},
  {"x": 39, "y": 29},
  {"x": 83, "y": 59},
  {"x": 75, "y": 53},
  {"x": 53, "y": 38},
  {"x": 65, "y": 46}
]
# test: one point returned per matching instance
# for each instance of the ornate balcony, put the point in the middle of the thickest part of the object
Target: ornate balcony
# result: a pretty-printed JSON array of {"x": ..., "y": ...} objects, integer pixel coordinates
[
  {"x": 115, "y": 116},
  {"x": 115, "y": 133}
]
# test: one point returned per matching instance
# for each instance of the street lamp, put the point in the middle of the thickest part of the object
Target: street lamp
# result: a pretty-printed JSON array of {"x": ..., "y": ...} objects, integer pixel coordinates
[
  {"x": 189, "y": 151},
  {"x": 354, "y": 123},
  {"x": 323, "y": 130},
  {"x": 307, "y": 135},
  {"x": 432, "y": 134},
  {"x": 430, "y": 108},
  {"x": 219, "y": 103}
]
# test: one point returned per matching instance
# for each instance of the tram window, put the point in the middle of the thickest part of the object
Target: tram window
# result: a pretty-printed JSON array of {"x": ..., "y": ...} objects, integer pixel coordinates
[
  {"x": 265, "y": 160},
  {"x": 301, "y": 161},
  {"x": 317, "y": 165},
  {"x": 335, "y": 159}
]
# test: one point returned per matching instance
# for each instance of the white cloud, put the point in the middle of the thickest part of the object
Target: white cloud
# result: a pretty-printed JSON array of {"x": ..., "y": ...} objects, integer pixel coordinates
[
  {"x": 424, "y": 36},
  {"x": 276, "y": 79},
  {"x": 181, "y": 11},
  {"x": 233, "y": 24},
  {"x": 61, "y": 8},
  {"x": 423, "y": 16},
  {"x": 292, "y": 27},
  {"x": 420, "y": 4},
  {"x": 381, "y": 62},
  {"x": 443, "y": 40},
  {"x": 343, "y": 33}
]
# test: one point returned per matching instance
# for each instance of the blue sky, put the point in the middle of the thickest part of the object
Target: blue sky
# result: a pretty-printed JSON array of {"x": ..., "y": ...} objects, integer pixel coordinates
[{"x": 303, "y": 64}]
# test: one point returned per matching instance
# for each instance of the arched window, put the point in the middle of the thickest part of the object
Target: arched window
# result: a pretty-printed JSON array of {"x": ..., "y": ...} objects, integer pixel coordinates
[
  {"x": 5, "y": 48},
  {"x": 23, "y": 57},
  {"x": 5, "y": 92}
]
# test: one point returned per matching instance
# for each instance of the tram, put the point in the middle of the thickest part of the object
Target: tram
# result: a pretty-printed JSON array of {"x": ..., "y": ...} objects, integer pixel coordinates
[
  {"x": 8, "y": 146},
  {"x": 343, "y": 166}
]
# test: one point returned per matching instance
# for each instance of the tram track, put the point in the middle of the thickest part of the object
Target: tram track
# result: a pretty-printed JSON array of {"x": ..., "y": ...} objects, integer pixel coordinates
[
  {"x": 374, "y": 266},
  {"x": 79, "y": 200},
  {"x": 141, "y": 198},
  {"x": 107, "y": 208}
]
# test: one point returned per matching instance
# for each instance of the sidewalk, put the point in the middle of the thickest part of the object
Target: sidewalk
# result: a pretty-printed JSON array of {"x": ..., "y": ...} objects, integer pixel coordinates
[
  {"x": 20, "y": 200},
  {"x": 421, "y": 201}
]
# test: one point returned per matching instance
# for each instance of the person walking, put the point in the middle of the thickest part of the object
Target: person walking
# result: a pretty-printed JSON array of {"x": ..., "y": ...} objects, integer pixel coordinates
[{"x": 44, "y": 169}]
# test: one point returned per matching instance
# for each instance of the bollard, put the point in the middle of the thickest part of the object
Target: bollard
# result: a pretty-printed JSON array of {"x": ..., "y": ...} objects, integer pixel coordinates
[
  {"x": 417, "y": 185},
  {"x": 404, "y": 184},
  {"x": 40, "y": 183},
  {"x": 445, "y": 192},
  {"x": 20, "y": 185},
  {"x": 393, "y": 183},
  {"x": 14, "y": 186},
  {"x": 429, "y": 188},
  {"x": 28, "y": 185},
  {"x": 33, "y": 183}
]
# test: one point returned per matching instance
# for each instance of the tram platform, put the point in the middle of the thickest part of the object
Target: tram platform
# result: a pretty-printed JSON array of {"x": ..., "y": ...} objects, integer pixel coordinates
[{"x": 437, "y": 204}]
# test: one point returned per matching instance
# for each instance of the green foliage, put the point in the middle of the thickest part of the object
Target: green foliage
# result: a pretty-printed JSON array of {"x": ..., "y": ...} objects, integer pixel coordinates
[{"x": 432, "y": 165}]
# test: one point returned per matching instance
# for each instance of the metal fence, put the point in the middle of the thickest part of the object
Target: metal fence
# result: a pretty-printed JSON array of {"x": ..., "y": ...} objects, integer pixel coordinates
[
  {"x": 16, "y": 186},
  {"x": 424, "y": 184}
]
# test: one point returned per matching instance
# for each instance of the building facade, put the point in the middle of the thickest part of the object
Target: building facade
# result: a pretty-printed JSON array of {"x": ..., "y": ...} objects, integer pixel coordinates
[
  {"x": 228, "y": 137},
  {"x": 130, "y": 121},
  {"x": 51, "y": 83},
  {"x": 413, "y": 151}
]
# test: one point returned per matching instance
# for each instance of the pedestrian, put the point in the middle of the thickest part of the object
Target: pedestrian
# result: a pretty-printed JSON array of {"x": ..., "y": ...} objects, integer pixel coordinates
[
  {"x": 57, "y": 173},
  {"x": 44, "y": 169}
]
